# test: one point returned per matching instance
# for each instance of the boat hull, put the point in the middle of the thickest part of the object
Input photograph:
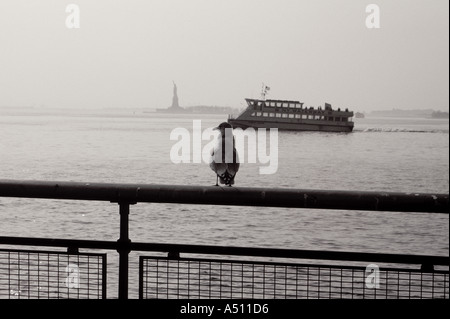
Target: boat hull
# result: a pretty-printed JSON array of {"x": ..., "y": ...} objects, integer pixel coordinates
[{"x": 293, "y": 126}]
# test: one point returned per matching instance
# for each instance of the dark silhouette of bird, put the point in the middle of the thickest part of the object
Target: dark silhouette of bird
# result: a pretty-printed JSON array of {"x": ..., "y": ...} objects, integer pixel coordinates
[{"x": 224, "y": 158}]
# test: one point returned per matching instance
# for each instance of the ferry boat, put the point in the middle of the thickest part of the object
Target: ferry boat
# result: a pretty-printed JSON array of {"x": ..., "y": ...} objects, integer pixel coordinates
[{"x": 292, "y": 116}]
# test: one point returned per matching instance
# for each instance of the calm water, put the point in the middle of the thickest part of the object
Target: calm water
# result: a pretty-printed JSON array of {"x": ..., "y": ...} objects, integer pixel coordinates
[{"x": 126, "y": 146}]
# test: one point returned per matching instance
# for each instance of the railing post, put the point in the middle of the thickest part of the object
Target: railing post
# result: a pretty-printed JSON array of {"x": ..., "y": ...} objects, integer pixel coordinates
[{"x": 123, "y": 248}]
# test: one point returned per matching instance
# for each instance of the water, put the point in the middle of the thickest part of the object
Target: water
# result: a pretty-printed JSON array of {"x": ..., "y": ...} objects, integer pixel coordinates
[{"x": 133, "y": 146}]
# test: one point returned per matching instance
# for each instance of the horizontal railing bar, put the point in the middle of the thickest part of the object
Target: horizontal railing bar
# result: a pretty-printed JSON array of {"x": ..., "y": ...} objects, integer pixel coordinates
[
  {"x": 236, "y": 196},
  {"x": 236, "y": 251},
  {"x": 292, "y": 253},
  {"x": 53, "y": 242},
  {"x": 48, "y": 251}
]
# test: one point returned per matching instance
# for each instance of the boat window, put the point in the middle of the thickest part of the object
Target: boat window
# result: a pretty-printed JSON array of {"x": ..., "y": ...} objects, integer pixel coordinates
[
  {"x": 253, "y": 114},
  {"x": 338, "y": 119},
  {"x": 278, "y": 115},
  {"x": 258, "y": 113},
  {"x": 271, "y": 114},
  {"x": 291, "y": 116},
  {"x": 265, "y": 114},
  {"x": 330, "y": 118}
]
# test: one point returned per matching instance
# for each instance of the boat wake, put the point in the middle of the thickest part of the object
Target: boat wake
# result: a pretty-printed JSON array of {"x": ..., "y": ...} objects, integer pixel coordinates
[{"x": 398, "y": 130}]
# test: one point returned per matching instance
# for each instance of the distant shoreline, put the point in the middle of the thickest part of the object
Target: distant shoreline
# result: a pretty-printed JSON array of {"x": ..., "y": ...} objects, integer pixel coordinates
[{"x": 201, "y": 109}]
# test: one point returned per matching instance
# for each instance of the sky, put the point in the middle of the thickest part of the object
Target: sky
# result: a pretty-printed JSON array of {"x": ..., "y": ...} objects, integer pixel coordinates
[{"x": 126, "y": 53}]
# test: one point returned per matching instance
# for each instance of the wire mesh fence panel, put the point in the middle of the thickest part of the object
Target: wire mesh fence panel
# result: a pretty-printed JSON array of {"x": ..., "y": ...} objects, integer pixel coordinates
[
  {"x": 187, "y": 278},
  {"x": 26, "y": 274}
]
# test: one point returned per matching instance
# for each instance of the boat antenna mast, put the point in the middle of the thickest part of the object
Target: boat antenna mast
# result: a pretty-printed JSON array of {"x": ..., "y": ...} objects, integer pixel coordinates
[{"x": 264, "y": 91}]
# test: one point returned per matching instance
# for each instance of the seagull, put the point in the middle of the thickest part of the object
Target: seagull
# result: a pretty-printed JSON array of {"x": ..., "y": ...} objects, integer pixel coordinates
[{"x": 222, "y": 162}]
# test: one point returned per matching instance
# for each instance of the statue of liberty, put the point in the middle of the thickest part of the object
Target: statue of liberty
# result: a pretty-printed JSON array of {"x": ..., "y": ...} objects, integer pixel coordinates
[{"x": 175, "y": 96}]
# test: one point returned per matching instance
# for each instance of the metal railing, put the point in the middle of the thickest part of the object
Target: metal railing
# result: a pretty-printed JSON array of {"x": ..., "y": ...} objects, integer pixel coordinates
[
  {"x": 52, "y": 275},
  {"x": 129, "y": 194},
  {"x": 201, "y": 278}
]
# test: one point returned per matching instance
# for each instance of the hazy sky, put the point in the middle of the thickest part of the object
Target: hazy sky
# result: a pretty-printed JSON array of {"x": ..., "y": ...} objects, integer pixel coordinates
[{"x": 127, "y": 52}]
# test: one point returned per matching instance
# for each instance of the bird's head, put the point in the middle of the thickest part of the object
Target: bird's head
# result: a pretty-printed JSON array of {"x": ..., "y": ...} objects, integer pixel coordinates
[{"x": 223, "y": 126}]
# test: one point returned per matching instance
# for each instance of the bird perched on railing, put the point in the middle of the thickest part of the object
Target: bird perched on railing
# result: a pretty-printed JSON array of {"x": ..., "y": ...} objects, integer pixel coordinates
[{"x": 224, "y": 158}]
